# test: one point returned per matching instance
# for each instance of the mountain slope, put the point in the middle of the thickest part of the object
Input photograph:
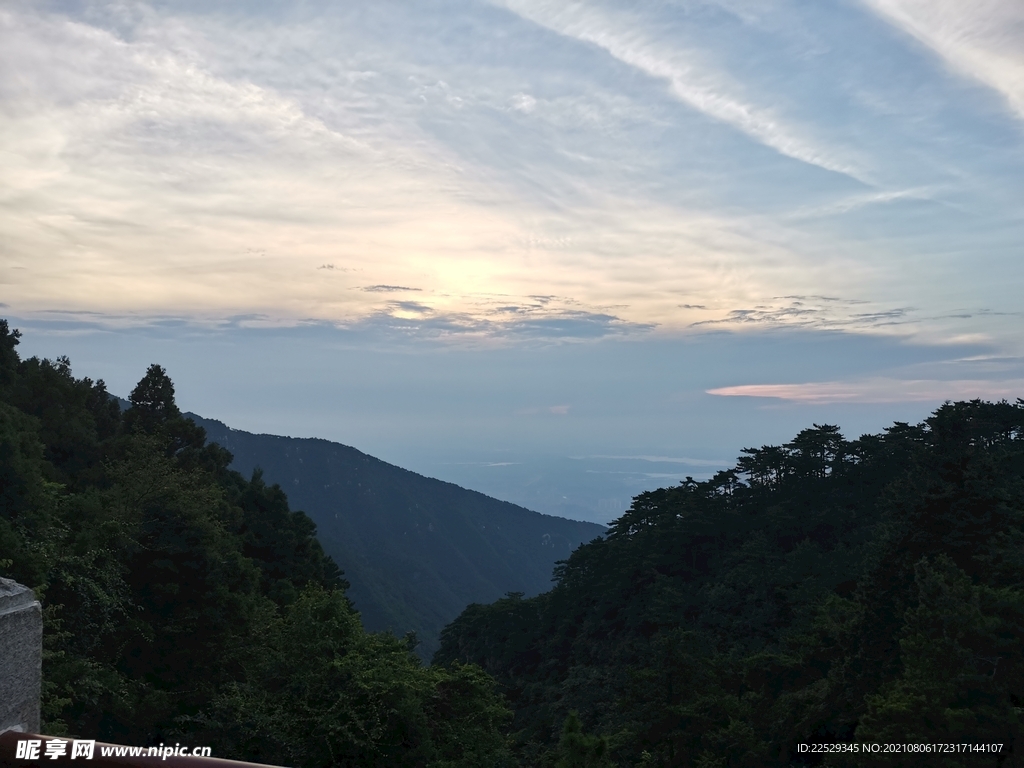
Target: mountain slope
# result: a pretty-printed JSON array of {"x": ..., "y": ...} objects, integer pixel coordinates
[{"x": 416, "y": 550}]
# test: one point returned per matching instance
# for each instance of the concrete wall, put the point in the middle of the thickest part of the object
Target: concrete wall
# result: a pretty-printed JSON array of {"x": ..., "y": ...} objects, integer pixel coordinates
[{"x": 21, "y": 657}]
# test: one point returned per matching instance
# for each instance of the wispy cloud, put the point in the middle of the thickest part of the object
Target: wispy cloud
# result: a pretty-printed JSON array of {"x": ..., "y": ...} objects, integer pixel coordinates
[
  {"x": 146, "y": 171},
  {"x": 879, "y": 390},
  {"x": 862, "y": 200},
  {"x": 983, "y": 39},
  {"x": 163, "y": 161},
  {"x": 691, "y": 81}
]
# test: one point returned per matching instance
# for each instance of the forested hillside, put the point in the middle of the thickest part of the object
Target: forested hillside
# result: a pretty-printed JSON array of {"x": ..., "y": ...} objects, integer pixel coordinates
[
  {"x": 186, "y": 603},
  {"x": 416, "y": 550},
  {"x": 822, "y": 591}
]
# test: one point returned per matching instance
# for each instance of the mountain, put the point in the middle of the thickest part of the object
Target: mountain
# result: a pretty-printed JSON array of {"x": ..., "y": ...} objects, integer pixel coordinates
[{"x": 416, "y": 550}]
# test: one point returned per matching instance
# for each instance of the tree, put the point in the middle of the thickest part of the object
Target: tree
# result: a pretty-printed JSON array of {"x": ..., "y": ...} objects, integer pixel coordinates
[
  {"x": 153, "y": 397},
  {"x": 578, "y": 750},
  {"x": 154, "y": 412}
]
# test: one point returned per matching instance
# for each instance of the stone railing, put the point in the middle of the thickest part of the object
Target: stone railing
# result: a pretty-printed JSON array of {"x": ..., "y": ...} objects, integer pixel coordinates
[{"x": 21, "y": 657}]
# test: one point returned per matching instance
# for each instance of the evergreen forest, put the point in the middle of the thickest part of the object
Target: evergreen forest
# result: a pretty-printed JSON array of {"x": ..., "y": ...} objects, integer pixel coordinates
[
  {"x": 822, "y": 592},
  {"x": 825, "y": 591}
]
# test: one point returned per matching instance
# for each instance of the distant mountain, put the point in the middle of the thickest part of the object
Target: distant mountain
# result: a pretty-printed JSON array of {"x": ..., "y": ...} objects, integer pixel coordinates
[{"x": 416, "y": 550}]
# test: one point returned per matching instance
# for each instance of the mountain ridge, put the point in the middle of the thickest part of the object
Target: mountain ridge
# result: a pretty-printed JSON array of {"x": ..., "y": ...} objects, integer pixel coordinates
[{"x": 416, "y": 550}]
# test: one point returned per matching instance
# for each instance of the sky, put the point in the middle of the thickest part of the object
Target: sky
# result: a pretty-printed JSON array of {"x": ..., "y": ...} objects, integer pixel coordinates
[{"x": 559, "y": 252}]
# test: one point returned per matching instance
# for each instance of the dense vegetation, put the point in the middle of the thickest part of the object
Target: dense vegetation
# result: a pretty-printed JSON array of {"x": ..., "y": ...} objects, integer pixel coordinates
[
  {"x": 416, "y": 550},
  {"x": 822, "y": 591},
  {"x": 183, "y": 602}
]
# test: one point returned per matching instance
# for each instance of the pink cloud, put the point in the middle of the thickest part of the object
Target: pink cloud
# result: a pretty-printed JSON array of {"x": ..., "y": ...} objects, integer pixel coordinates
[{"x": 879, "y": 390}]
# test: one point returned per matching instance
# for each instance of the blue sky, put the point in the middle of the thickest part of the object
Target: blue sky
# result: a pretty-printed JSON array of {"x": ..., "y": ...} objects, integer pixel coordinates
[{"x": 557, "y": 251}]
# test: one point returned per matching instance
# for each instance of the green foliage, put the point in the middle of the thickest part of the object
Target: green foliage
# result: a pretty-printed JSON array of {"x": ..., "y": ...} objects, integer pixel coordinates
[
  {"x": 824, "y": 590},
  {"x": 184, "y": 602},
  {"x": 287, "y": 710},
  {"x": 578, "y": 750}
]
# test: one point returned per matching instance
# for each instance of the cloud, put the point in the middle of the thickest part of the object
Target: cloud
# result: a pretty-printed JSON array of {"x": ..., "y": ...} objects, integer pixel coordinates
[
  {"x": 812, "y": 313},
  {"x": 691, "y": 81},
  {"x": 147, "y": 165},
  {"x": 312, "y": 165},
  {"x": 411, "y": 307},
  {"x": 863, "y": 200},
  {"x": 879, "y": 390},
  {"x": 489, "y": 320},
  {"x": 983, "y": 40},
  {"x": 523, "y": 102}
]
